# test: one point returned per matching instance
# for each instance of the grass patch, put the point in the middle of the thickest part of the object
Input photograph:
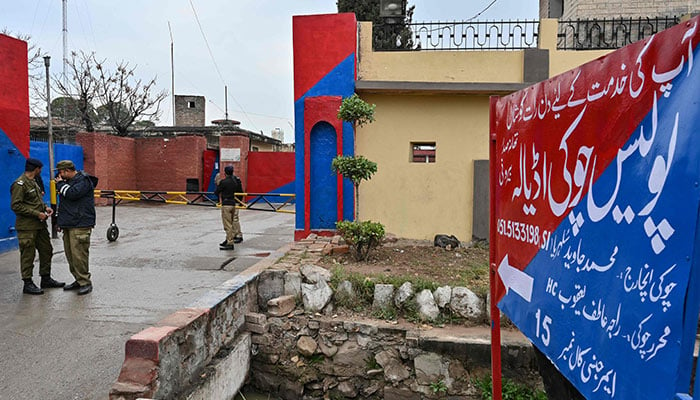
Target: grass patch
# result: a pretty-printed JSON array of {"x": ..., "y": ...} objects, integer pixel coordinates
[{"x": 510, "y": 390}]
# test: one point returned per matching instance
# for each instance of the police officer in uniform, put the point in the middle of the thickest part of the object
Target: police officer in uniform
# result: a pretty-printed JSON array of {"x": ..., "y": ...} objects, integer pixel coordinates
[
  {"x": 76, "y": 218},
  {"x": 32, "y": 230},
  {"x": 226, "y": 190}
]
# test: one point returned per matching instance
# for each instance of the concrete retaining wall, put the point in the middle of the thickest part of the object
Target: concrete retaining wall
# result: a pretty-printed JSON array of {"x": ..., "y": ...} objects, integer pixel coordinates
[
  {"x": 207, "y": 351},
  {"x": 200, "y": 352}
]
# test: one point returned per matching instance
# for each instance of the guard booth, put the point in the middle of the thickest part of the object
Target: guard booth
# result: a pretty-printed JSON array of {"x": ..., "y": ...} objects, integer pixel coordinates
[{"x": 595, "y": 234}]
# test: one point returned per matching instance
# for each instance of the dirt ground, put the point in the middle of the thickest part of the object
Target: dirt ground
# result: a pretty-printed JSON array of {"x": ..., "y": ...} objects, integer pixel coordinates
[{"x": 463, "y": 266}]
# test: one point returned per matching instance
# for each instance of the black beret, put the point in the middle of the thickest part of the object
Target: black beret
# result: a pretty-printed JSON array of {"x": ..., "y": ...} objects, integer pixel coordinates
[{"x": 32, "y": 164}]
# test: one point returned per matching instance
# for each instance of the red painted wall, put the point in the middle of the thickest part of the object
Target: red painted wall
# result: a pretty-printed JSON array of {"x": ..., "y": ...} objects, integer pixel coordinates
[
  {"x": 14, "y": 92},
  {"x": 268, "y": 171},
  {"x": 321, "y": 42}
]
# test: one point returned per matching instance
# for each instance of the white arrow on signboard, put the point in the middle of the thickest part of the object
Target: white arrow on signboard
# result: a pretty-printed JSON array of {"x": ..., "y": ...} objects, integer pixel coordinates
[{"x": 515, "y": 279}]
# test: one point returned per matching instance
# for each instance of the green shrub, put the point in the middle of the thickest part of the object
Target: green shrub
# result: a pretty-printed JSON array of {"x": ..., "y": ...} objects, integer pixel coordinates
[
  {"x": 438, "y": 387},
  {"x": 510, "y": 390},
  {"x": 356, "y": 168},
  {"x": 355, "y": 110},
  {"x": 362, "y": 237},
  {"x": 371, "y": 363}
]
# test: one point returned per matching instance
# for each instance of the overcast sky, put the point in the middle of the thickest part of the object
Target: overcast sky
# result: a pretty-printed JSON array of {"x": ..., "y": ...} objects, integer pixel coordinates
[{"x": 243, "y": 44}]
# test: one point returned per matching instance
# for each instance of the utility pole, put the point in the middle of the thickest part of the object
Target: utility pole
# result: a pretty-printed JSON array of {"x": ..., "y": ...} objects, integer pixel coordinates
[
  {"x": 226, "y": 102},
  {"x": 52, "y": 185},
  {"x": 65, "y": 39},
  {"x": 172, "y": 71},
  {"x": 65, "y": 63}
]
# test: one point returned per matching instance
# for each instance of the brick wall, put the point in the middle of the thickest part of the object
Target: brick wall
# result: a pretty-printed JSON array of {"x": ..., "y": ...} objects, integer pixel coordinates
[
  {"x": 149, "y": 164},
  {"x": 628, "y": 8},
  {"x": 165, "y": 164},
  {"x": 110, "y": 158},
  {"x": 185, "y": 115}
]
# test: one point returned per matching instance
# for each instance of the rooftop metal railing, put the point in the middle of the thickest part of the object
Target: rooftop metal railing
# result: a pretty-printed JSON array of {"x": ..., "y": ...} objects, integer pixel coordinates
[
  {"x": 594, "y": 34},
  {"x": 477, "y": 35},
  {"x": 579, "y": 34}
]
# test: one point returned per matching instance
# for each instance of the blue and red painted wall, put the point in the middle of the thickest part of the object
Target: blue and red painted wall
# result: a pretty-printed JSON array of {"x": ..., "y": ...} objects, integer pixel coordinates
[
  {"x": 14, "y": 127},
  {"x": 324, "y": 73},
  {"x": 15, "y": 146}
]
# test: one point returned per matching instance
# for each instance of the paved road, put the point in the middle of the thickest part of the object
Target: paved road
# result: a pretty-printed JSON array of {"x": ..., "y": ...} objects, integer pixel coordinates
[{"x": 63, "y": 346}]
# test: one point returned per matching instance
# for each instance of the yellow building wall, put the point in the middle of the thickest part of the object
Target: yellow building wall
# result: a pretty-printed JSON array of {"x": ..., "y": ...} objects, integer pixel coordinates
[
  {"x": 563, "y": 60},
  {"x": 436, "y": 66},
  {"x": 417, "y": 200}
]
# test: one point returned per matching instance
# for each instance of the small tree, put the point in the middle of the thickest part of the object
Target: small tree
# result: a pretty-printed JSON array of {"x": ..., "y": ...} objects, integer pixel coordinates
[
  {"x": 356, "y": 169},
  {"x": 361, "y": 236},
  {"x": 357, "y": 112}
]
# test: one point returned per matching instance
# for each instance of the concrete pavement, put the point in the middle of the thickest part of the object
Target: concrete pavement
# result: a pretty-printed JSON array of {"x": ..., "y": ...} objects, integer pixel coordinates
[{"x": 63, "y": 346}]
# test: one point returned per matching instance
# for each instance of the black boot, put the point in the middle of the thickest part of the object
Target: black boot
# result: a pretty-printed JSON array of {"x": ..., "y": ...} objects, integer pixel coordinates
[
  {"x": 48, "y": 282},
  {"x": 31, "y": 288}
]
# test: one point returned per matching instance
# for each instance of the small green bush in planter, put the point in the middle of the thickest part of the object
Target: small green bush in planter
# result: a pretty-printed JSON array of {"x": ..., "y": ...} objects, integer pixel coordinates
[{"x": 362, "y": 237}]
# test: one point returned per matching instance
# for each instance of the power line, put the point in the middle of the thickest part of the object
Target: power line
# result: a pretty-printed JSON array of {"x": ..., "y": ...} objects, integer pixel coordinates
[
  {"x": 211, "y": 54},
  {"x": 482, "y": 11}
]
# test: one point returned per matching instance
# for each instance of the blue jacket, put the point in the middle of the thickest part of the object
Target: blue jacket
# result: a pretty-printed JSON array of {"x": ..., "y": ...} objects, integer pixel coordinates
[{"x": 76, "y": 206}]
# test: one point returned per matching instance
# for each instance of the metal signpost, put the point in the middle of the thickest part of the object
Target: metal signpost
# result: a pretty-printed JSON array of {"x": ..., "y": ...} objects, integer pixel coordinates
[{"x": 594, "y": 225}]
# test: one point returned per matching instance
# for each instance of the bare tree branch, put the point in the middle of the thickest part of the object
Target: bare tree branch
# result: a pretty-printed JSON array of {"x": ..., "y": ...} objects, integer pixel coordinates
[
  {"x": 81, "y": 85},
  {"x": 126, "y": 98}
]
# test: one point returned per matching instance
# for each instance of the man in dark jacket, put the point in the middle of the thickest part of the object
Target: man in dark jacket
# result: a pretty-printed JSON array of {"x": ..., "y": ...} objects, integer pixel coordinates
[
  {"x": 32, "y": 231},
  {"x": 226, "y": 190},
  {"x": 76, "y": 218}
]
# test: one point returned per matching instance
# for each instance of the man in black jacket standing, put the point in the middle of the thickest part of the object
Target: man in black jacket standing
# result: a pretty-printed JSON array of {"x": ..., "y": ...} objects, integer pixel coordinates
[
  {"x": 76, "y": 218},
  {"x": 226, "y": 190}
]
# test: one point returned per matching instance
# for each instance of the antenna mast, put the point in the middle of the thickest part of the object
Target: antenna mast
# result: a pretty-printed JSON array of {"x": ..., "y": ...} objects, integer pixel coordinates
[
  {"x": 65, "y": 39},
  {"x": 226, "y": 102},
  {"x": 172, "y": 71}
]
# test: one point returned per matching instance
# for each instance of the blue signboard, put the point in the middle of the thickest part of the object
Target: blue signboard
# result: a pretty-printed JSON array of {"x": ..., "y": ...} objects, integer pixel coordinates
[{"x": 596, "y": 218}]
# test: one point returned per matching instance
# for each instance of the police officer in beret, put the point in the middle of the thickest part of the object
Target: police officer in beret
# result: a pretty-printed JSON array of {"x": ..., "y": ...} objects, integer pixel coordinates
[
  {"x": 225, "y": 191},
  {"x": 76, "y": 218},
  {"x": 32, "y": 229}
]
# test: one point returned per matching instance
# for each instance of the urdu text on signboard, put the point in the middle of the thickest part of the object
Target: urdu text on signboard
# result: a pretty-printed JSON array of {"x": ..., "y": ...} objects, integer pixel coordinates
[{"x": 597, "y": 194}]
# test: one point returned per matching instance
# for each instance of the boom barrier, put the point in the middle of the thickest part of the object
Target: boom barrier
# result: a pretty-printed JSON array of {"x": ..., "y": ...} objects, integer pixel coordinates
[{"x": 245, "y": 200}]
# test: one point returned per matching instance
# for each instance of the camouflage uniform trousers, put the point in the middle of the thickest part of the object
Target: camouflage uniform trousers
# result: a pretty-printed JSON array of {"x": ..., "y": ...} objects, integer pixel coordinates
[
  {"x": 29, "y": 242},
  {"x": 232, "y": 225},
  {"x": 76, "y": 244}
]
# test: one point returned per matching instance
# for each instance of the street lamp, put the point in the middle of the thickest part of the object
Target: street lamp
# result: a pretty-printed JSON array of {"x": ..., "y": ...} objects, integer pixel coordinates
[
  {"x": 392, "y": 10},
  {"x": 49, "y": 125}
]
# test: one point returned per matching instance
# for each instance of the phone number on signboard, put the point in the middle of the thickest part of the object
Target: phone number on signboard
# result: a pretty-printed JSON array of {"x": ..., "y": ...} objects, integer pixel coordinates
[{"x": 523, "y": 232}]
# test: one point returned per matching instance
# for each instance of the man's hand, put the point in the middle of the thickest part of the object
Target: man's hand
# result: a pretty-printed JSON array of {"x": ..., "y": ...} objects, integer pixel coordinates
[
  {"x": 49, "y": 211},
  {"x": 43, "y": 216}
]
